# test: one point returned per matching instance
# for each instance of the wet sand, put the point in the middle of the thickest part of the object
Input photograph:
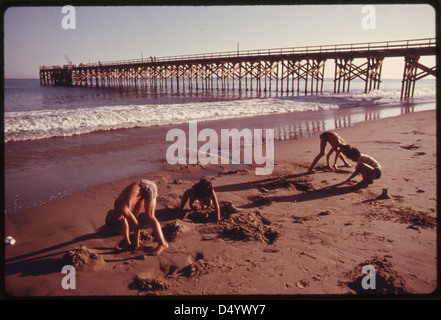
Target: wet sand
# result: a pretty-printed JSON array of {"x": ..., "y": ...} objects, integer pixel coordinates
[{"x": 292, "y": 234}]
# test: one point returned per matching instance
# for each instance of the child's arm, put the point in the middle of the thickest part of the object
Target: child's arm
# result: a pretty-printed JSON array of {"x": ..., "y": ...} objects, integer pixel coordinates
[
  {"x": 128, "y": 215},
  {"x": 352, "y": 175},
  {"x": 216, "y": 205},
  {"x": 185, "y": 197},
  {"x": 127, "y": 232}
]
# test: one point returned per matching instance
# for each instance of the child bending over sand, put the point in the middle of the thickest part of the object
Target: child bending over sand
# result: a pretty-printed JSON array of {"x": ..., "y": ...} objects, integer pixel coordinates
[
  {"x": 336, "y": 142},
  {"x": 369, "y": 168},
  {"x": 127, "y": 207},
  {"x": 204, "y": 193}
]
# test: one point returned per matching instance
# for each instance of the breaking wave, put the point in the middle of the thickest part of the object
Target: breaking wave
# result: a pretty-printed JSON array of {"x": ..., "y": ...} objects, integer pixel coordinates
[{"x": 41, "y": 124}]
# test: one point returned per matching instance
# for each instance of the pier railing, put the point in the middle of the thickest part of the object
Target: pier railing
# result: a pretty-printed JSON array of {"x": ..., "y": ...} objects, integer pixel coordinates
[{"x": 337, "y": 48}]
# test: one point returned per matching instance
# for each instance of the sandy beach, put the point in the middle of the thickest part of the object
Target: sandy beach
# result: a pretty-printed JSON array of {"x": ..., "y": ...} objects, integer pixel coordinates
[{"x": 287, "y": 234}]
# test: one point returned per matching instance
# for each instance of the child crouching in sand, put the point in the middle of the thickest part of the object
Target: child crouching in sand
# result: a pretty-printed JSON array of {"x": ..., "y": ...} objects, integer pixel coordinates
[
  {"x": 127, "y": 207},
  {"x": 204, "y": 193},
  {"x": 369, "y": 168}
]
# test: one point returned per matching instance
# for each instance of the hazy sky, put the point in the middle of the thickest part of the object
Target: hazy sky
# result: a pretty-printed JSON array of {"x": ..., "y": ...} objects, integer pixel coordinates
[{"x": 34, "y": 36}]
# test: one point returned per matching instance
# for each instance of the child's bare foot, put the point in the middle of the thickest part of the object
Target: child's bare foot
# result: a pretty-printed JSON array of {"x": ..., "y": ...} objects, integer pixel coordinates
[{"x": 160, "y": 249}]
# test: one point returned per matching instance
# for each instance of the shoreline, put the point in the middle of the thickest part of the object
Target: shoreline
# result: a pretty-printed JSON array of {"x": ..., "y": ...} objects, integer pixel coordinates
[
  {"x": 108, "y": 156},
  {"x": 322, "y": 231}
]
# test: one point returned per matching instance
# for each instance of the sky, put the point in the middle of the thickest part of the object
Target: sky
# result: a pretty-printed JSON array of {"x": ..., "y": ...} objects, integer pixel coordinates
[{"x": 35, "y": 36}]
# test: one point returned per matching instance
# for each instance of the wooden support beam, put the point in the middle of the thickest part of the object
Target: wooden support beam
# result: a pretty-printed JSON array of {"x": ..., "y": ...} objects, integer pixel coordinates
[{"x": 411, "y": 74}]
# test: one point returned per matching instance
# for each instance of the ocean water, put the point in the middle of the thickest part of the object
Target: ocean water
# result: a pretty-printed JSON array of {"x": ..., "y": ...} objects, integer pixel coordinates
[
  {"x": 59, "y": 140},
  {"x": 37, "y": 112}
]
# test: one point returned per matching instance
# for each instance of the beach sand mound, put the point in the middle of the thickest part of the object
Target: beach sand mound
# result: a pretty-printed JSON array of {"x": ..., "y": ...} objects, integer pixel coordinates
[
  {"x": 387, "y": 281},
  {"x": 172, "y": 229},
  {"x": 144, "y": 283},
  {"x": 198, "y": 268},
  {"x": 209, "y": 214},
  {"x": 244, "y": 227},
  {"x": 79, "y": 256},
  {"x": 416, "y": 219}
]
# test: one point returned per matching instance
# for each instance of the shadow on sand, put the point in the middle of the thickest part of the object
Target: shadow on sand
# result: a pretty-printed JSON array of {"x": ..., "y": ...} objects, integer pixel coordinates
[
  {"x": 48, "y": 260},
  {"x": 326, "y": 192}
]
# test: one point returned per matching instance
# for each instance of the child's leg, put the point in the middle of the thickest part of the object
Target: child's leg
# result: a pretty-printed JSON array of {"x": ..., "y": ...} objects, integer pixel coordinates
[
  {"x": 150, "y": 207},
  {"x": 335, "y": 160},
  {"x": 321, "y": 154},
  {"x": 138, "y": 206},
  {"x": 368, "y": 174}
]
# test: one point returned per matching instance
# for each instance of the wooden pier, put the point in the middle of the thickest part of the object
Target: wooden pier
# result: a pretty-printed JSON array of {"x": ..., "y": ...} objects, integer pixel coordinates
[{"x": 297, "y": 70}]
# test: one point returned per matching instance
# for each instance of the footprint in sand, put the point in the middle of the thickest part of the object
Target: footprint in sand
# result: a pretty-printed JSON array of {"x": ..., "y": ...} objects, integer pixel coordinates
[{"x": 410, "y": 147}]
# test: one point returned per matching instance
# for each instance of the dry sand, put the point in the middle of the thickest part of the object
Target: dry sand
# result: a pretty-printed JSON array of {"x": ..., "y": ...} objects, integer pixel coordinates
[{"x": 293, "y": 234}]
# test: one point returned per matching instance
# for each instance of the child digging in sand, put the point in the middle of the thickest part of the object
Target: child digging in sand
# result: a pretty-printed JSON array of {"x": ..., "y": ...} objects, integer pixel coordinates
[
  {"x": 336, "y": 142},
  {"x": 369, "y": 168},
  {"x": 127, "y": 207},
  {"x": 204, "y": 193}
]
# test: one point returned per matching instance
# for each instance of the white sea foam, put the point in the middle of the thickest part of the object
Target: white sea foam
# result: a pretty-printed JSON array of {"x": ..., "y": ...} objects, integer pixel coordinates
[
  {"x": 32, "y": 125},
  {"x": 41, "y": 124}
]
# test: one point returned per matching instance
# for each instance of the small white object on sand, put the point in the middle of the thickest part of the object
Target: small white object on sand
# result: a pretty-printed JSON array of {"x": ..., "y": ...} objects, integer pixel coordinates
[{"x": 9, "y": 240}]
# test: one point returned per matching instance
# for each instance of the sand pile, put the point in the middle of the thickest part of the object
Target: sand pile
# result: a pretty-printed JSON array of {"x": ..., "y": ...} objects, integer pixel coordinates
[
  {"x": 415, "y": 218},
  {"x": 244, "y": 227},
  {"x": 387, "y": 281},
  {"x": 144, "y": 283},
  {"x": 198, "y": 268},
  {"x": 79, "y": 256},
  {"x": 172, "y": 229}
]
